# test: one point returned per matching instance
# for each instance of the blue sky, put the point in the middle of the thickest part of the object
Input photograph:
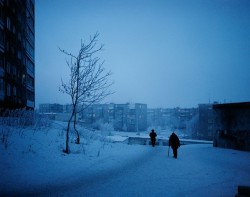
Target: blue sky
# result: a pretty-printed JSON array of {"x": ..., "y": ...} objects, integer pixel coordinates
[{"x": 162, "y": 53}]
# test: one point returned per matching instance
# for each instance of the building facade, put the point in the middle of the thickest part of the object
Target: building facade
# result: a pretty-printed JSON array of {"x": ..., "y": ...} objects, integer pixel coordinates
[
  {"x": 232, "y": 125},
  {"x": 17, "y": 54},
  {"x": 123, "y": 117},
  {"x": 205, "y": 122}
]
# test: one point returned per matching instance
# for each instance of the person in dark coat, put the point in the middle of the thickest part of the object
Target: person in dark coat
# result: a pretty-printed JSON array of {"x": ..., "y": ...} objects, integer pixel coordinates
[
  {"x": 153, "y": 137},
  {"x": 174, "y": 142}
]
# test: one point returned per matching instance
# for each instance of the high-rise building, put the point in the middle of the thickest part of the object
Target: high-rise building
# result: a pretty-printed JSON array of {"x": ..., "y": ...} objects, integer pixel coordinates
[{"x": 17, "y": 54}]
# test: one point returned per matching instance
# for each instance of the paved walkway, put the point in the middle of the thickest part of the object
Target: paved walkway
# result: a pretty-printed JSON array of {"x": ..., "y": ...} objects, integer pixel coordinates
[{"x": 200, "y": 170}]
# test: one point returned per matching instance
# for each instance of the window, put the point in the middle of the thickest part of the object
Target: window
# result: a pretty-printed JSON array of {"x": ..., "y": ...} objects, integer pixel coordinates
[
  {"x": 14, "y": 70},
  {"x": 19, "y": 36},
  {"x": 8, "y": 23},
  {"x": 1, "y": 85},
  {"x": 7, "y": 46},
  {"x": 1, "y": 61},
  {"x": 14, "y": 91},
  {"x": 14, "y": 30},
  {"x": 30, "y": 66},
  {"x": 1, "y": 38},
  {"x": 23, "y": 79},
  {"x": 30, "y": 81},
  {"x": 30, "y": 50},
  {"x": 1, "y": 13},
  {"x": 1, "y": 72},
  {"x": 19, "y": 56},
  {"x": 23, "y": 60},
  {"x": 8, "y": 90},
  {"x": 8, "y": 67},
  {"x": 19, "y": 18},
  {"x": 30, "y": 35},
  {"x": 1, "y": 89}
]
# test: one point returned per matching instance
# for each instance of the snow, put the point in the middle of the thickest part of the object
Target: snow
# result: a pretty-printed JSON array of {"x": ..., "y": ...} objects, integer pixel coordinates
[{"x": 33, "y": 164}]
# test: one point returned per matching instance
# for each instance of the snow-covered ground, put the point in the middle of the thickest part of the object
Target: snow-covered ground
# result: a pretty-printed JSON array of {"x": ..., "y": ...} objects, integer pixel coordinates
[{"x": 33, "y": 164}]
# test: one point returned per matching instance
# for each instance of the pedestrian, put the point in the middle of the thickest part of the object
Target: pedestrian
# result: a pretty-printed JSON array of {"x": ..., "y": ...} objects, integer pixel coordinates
[
  {"x": 153, "y": 137},
  {"x": 174, "y": 142}
]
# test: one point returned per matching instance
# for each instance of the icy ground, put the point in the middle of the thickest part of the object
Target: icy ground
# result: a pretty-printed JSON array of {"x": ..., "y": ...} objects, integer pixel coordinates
[{"x": 33, "y": 165}]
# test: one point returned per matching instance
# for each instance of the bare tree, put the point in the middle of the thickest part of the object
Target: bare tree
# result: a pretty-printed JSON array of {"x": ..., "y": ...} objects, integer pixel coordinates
[{"x": 88, "y": 83}]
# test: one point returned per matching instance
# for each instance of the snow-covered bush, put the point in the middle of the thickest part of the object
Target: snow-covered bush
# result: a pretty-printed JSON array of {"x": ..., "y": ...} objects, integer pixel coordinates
[
  {"x": 92, "y": 141},
  {"x": 106, "y": 129},
  {"x": 18, "y": 120},
  {"x": 21, "y": 118},
  {"x": 98, "y": 124}
]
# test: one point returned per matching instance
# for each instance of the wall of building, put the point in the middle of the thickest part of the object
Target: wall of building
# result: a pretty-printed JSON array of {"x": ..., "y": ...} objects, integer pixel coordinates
[{"x": 232, "y": 125}]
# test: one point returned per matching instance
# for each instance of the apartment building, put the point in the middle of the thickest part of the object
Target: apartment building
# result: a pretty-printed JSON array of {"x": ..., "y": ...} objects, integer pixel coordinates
[
  {"x": 17, "y": 54},
  {"x": 123, "y": 117}
]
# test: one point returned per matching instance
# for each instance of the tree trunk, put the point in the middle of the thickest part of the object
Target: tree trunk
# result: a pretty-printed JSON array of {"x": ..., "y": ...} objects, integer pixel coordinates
[
  {"x": 77, "y": 133},
  {"x": 66, "y": 150},
  {"x": 77, "y": 93}
]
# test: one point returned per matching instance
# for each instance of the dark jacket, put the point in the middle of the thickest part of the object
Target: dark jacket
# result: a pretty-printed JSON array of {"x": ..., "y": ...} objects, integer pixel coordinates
[
  {"x": 174, "y": 141},
  {"x": 152, "y": 135}
]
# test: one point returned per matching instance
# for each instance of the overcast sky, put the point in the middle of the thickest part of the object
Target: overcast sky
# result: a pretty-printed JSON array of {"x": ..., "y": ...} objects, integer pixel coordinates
[{"x": 162, "y": 53}]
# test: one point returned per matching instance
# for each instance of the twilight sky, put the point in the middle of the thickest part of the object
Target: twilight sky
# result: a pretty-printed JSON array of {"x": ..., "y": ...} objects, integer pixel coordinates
[{"x": 165, "y": 53}]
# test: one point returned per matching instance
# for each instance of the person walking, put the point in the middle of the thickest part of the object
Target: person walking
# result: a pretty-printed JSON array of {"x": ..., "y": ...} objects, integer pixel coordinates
[
  {"x": 153, "y": 137},
  {"x": 174, "y": 142}
]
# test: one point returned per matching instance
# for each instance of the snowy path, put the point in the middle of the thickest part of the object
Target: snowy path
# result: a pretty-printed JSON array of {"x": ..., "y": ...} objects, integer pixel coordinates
[{"x": 200, "y": 170}]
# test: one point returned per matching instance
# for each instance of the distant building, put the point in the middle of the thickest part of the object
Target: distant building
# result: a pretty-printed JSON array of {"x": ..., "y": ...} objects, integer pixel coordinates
[
  {"x": 184, "y": 116},
  {"x": 137, "y": 117},
  {"x": 232, "y": 125},
  {"x": 67, "y": 108},
  {"x": 17, "y": 54},
  {"x": 98, "y": 112},
  {"x": 166, "y": 118},
  {"x": 130, "y": 117},
  {"x": 170, "y": 118},
  {"x": 121, "y": 112},
  {"x": 123, "y": 117},
  {"x": 50, "y": 108},
  {"x": 205, "y": 122}
]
